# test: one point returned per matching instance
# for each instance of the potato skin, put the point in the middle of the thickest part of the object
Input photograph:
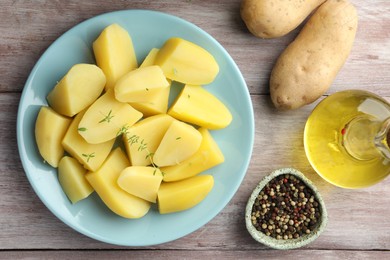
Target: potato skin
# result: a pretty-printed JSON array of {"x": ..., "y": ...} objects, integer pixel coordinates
[
  {"x": 308, "y": 66},
  {"x": 275, "y": 18}
]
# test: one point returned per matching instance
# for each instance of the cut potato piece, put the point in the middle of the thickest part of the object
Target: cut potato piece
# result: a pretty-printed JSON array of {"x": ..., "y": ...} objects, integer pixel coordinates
[
  {"x": 91, "y": 156},
  {"x": 114, "y": 53},
  {"x": 158, "y": 104},
  {"x": 107, "y": 118},
  {"x": 141, "y": 181},
  {"x": 150, "y": 58},
  {"x": 181, "y": 195},
  {"x": 104, "y": 181},
  {"x": 50, "y": 128},
  {"x": 197, "y": 106},
  {"x": 186, "y": 62},
  {"x": 207, "y": 156},
  {"x": 180, "y": 141},
  {"x": 141, "y": 84},
  {"x": 71, "y": 175},
  {"x": 79, "y": 88},
  {"x": 143, "y": 138}
]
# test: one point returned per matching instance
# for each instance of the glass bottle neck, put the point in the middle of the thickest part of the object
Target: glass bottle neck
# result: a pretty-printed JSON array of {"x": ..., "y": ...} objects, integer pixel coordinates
[{"x": 366, "y": 138}]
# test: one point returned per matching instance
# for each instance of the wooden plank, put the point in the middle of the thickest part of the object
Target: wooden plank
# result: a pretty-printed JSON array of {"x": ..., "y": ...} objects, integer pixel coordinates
[
  {"x": 196, "y": 254},
  {"x": 36, "y": 25},
  {"x": 358, "y": 219}
]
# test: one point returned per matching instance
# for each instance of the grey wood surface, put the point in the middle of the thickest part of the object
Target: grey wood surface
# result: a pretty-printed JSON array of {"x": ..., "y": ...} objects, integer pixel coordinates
[{"x": 359, "y": 220}]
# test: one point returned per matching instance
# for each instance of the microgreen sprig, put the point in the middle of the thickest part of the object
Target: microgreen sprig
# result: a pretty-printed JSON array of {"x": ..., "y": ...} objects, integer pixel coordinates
[
  {"x": 123, "y": 130},
  {"x": 143, "y": 146},
  {"x": 107, "y": 118},
  {"x": 88, "y": 156}
]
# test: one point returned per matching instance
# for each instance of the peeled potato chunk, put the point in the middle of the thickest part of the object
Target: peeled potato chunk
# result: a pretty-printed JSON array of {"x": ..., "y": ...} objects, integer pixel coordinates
[
  {"x": 140, "y": 84},
  {"x": 71, "y": 175},
  {"x": 107, "y": 118},
  {"x": 91, "y": 156},
  {"x": 79, "y": 88},
  {"x": 181, "y": 195},
  {"x": 114, "y": 53},
  {"x": 50, "y": 128},
  {"x": 150, "y": 58},
  {"x": 141, "y": 181},
  {"x": 143, "y": 138},
  {"x": 195, "y": 105},
  {"x": 207, "y": 156},
  {"x": 186, "y": 62},
  {"x": 104, "y": 181},
  {"x": 157, "y": 104},
  {"x": 180, "y": 141}
]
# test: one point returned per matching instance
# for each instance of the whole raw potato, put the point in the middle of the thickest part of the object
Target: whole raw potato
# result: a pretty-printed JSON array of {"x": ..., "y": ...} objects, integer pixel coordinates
[
  {"x": 275, "y": 18},
  {"x": 308, "y": 66}
]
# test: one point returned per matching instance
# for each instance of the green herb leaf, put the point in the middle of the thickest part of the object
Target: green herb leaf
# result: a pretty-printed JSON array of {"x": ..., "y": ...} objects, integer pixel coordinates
[
  {"x": 107, "y": 118},
  {"x": 88, "y": 156},
  {"x": 123, "y": 130},
  {"x": 133, "y": 139},
  {"x": 82, "y": 129},
  {"x": 149, "y": 155},
  {"x": 142, "y": 146}
]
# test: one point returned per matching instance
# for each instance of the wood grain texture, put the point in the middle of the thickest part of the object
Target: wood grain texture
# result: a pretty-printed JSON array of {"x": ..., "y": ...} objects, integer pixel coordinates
[
  {"x": 359, "y": 222},
  {"x": 158, "y": 254}
]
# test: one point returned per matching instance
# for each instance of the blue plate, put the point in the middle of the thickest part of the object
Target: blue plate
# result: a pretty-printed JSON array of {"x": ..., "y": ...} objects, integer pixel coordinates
[{"x": 91, "y": 217}]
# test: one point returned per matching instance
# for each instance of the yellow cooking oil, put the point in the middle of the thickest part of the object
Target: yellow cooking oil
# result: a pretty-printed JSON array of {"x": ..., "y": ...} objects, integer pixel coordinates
[{"x": 345, "y": 139}]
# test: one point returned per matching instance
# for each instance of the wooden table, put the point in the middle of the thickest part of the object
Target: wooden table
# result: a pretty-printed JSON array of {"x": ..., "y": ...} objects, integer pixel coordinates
[{"x": 359, "y": 220}]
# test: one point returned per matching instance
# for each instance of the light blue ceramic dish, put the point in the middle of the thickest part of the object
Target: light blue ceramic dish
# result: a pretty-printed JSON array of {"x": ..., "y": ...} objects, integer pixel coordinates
[{"x": 91, "y": 217}]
